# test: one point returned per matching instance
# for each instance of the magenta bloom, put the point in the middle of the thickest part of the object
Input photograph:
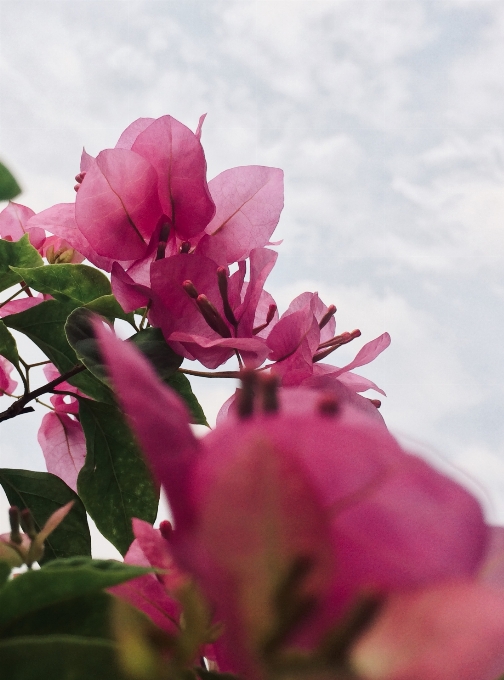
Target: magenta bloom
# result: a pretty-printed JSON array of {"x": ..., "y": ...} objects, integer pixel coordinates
[
  {"x": 327, "y": 495},
  {"x": 7, "y": 384},
  {"x": 14, "y": 225}
]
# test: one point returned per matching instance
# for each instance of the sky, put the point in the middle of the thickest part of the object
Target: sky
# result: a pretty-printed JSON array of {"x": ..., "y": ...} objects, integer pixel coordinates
[{"x": 387, "y": 119}]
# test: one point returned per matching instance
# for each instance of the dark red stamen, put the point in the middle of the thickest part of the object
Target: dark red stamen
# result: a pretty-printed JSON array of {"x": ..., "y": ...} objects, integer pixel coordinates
[
  {"x": 222, "y": 280},
  {"x": 269, "y": 318},
  {"x": 330, "y": 345},
  {"x": 328, "y": 405},
  {"x": 163, "y": 240},
  {"x": 166, "y": 529},
  {"x": 270, "y": 393},
  {"x": 376, "y": 402},
  {"x": 190, "y": 289},
  {"x": 330, "y": 312},
  {"x": 212, "y": 316},
  {"x": 185, "y": 247},
  {"x": 245, "y": 396}
]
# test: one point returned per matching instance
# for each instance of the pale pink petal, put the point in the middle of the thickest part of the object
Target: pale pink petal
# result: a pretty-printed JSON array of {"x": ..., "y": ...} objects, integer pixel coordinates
[
  {"x": 325, "y": 375},
  {"x": 253, "y": 350},
  {"x": 367, "y": 353},
  {"x": 262, "y": 262},
  {"x": 20, "y": 304},
  {"x": 177, "y": 156},
  {"x": 157, "y": 416},
  {"x": 117, "y": 207},
  {"x": 86, "y": 161},
  {"x": 13, "y": 221},
  {"x": 64, "y": 446},
  {"x": 149, "y": 595},
  {"x": 60, "y": 220},
  {"x": 157, "y": 550},
  {"x": 452, "y": 631},
  {"x": 128, "y": 137},
  {"x": 7, "y": 384},
  {"x": 248, "y": 202},
  {"x": 492, "y": 569}
]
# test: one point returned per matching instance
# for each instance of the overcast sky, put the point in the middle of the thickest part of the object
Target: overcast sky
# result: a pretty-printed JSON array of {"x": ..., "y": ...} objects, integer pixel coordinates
[{"x": 387, "y": 118}]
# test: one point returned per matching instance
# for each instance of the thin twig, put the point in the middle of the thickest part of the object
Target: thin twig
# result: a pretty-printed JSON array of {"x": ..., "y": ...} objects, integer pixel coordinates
[
  {"x": 215, "y": 374},
  {"x": 19, "y": 406},
  {"x": 21, "y": 290}
]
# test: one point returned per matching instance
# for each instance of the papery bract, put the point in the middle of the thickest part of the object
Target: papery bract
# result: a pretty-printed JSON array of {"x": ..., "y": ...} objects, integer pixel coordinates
[
  {"x": 63, "y": 444},
  {"x": 7, "y": 384},
  {"x": 14, "y": 225},
  {"x": 248, "y": 202},
  {"x": 117, "y": 207},
  {"x": 177, "y": 156}
]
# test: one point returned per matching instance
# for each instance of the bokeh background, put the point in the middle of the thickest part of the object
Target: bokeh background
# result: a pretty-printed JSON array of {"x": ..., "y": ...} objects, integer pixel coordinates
[{"x": 387, "y": 118}]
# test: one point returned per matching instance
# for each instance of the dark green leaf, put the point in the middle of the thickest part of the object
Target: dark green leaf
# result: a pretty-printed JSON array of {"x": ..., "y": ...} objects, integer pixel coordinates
[
  {"x": 81, "y": 337},
  {"x": 76, "y": 282},
  {"x": 16, "y": 254},
  {"x": 86, "y": 615},
  {"x": 60, "y": 581},
  {"x": 8, "y": 347},
  {"x": 114, "y": 484},
  {"x": 58, "y": 657},
  {"x": 44, "y": 325},
  {"x": 108, "y": 307},
  {"x": 44, "y": 493},
  {"x": 152, "y": 344},
  {"x": 5, "y": 571},
  {"x": 182, "y": 386},
  {"x": 9, "y": 188}
]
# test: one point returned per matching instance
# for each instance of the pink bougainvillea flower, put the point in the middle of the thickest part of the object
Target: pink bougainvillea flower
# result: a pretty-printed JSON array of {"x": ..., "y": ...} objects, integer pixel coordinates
[
  {"x": 206, "y": 314},
  {"x": 154, "y": 594},
  {"x": 14, "y": 225},
  {"x": 20, "y": 304},
  {"x": 60, "y": 435},
  {"x": 333, "y": 498},
  {"x": 7, "y": 384},
  {"x": 63, "y": 444},
  {"x": 248, "y": 202}
]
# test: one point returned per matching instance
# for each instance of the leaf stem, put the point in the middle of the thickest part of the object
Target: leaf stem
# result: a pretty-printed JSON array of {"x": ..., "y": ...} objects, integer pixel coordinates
[
  {"x": 208, "y": 374},
  {"x": 21, "y": 290}
]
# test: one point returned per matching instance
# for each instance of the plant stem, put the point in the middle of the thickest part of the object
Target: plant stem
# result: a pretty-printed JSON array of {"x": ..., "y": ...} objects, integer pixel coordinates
[
  {"x": 21, "y": 290},
  {"x": 208, "y": 374},
  {"x": 19, "y": 407}
]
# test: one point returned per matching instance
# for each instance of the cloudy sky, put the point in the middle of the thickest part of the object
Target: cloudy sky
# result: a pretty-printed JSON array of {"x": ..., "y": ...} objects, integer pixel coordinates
[{"x": 386, "y": 116}]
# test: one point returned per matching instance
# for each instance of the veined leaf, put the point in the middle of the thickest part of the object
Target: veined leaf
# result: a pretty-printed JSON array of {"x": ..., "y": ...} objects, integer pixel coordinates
[
  {"x": 9, "y": 188},
  {"x": 16, "y": 254},
  {"x": 76, "y": 282}
]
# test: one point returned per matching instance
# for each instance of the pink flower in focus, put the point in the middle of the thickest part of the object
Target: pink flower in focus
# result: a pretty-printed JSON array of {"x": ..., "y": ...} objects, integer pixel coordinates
[{"x": 14, "y": 225}]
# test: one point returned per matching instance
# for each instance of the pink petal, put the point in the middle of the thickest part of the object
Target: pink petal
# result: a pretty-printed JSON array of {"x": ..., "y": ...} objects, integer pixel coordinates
[
  {"x": 157, "y": 416},
  {"x": 57, "y": 243},
  {"x": 64, "y": 446},
  {"x": 492, "y": 569},
  {"x": 276, "y": 521},
  {"x": 177, "y": 156},
  {"x": 248, "y": 202},
  {"x": 128, "y": 137},
  {"x": 60, "y": 220},
  {"x": 117, "y": 207},
  {"x": 452, "y": 631},
  {"x": 7, "y": 384},
  {"x": 157, "y": 551},
  {"x": 129, "y": 294},
  {"x": 367, "y": 353},
  {"x": 200, "y": 125},
  {"x": 325, "y": 375},
  {"x": 262, "y": 262},
  {"x": 19, "y": 305},
  {"x": 253, "y": 350},
  {"x": 86, "y": 161},
  {"x": 13, "y": 221}
]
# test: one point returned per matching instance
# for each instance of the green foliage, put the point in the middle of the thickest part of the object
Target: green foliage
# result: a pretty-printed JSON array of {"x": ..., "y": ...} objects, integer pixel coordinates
[
  {"x": 8, "y": 347},
  {"x": 81, "y": 337},
  {"x": 16, "y": 254},
  {"x": 58, "y": 657},
  {"x": 9, "y": 188},
  {"x": 77, "y": 283},
  {"x": 108, "y": 307},
  {"x": 114, "y": 484},
  {"x": 87, "y": 615},
  {"x": 44, "y": 493},
  {"x": 153, "y": 346},
  {"x": 44, "y": 325},
  {"x": 181, "y": 385},
  {"x": 57, "y": 582}
]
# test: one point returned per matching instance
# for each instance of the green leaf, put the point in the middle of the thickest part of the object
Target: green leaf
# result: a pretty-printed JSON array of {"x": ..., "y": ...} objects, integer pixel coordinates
[
  {"x": 81, "y": 337},
  {"x": 108, "y": 307},
  {"x": 181, "y": 385},
  {"x": 5, "y": 572},
  {"x": 16, "y": 254},
  {"x": 58, "y": 657},
  {"x": 60, "y": 581},
  {"x": 9, "y": 188},
  {"x": 8, "y": 347},
  {"x": 44, "y": 493},
  {"x": 86, "y": 615},
  {"x": 44, "y": 325},
  {"x": 115, "y": 483},
  {"x": 153, "y": 346},
  {"x": 76, "y": 282}
]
